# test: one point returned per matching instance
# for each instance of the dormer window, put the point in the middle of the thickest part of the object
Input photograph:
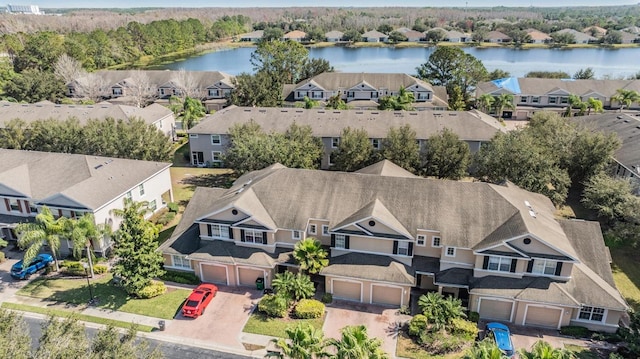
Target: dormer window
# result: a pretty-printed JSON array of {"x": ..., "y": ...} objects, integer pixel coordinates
[
  {"x": 544, "y": 266},
  {"x": 295, "y": 234},
  {"x": 335, "y": 142}
]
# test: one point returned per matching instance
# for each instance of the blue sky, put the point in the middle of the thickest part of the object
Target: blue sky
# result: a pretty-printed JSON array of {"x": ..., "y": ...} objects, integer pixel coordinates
[{"x": 325, "y": 3}]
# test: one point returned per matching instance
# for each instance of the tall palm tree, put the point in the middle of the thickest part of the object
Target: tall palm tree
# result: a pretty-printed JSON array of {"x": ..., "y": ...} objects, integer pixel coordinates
[
  {"x": 485, "y": 102},
  {"x": 192, "y": 111},
  {"x": 486, "y": 349},
  {"x": 503, "y": 101},
  {"x": 626, "y": 98},
  {"x": 595, "y": 104},
  {"x": 303, "y": 342},
  {"x": 46, "y": 229},
  {"x": 543, "y": 350},
  {"x": 356, "y": 344},
  {"x": 310, "y": 255},
  {"x": 82, "y": 232},
  {"x": 574, "y": 101}
]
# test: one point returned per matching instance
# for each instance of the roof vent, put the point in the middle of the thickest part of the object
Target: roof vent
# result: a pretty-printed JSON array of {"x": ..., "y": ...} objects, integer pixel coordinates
[
  {"x": 526, "y": 203},
  {"x": 532, "y": 213},
  {"x": 240, "y": 190},
  {"x": 248, "y": 182},
  {"x": 98, "y": 166}
]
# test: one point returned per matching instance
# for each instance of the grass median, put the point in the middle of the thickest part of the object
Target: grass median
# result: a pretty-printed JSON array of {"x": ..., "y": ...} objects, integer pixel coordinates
[
  {"x": 68, "y": 313},
  {"x": 275, "y": 327}
]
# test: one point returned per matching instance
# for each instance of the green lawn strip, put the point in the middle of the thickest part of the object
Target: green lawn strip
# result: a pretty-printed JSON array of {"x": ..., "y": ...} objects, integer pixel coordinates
[
  {"x": 184, "y": 180},
  {"x": 67, "y": 313},
  {"x": 582, "y": 352},
  {"x": 626, "y": 274},
  {"x": 275, "y": 327},
  {"x": 407, "y": 348},
  {"x": 75, "y": 291}
]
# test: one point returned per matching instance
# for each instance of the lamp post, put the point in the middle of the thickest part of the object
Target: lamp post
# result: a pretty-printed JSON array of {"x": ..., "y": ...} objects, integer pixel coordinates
[{"x": 86, "y": 271}]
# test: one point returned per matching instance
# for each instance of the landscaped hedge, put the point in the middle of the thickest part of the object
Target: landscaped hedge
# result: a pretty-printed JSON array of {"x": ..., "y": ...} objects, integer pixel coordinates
[
  {"x": 273, "y": 305},
  {"x": 417, "y": 325},
  {"x": 327, "y": 298},
  {"x": 100, "y": 269},
  {"x": 73, "y": 268},
  {"x": 180, "y": 277},
  {"x": 2, "y": 257},
  {"x": 575, "y": 331},
  {"x": 173, "y": 207},
  {"x": 464, "y": 328},
  {"x": 309, "y": 309},
  {"x": 154, "y": 289}
]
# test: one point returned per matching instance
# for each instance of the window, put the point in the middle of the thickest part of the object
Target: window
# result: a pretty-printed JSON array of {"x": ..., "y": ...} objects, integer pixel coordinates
[
  {"x": 564, "y": 100},
  {"x": 295, "y": 234},
  {"x": 451, "y": 252},
  {"x": 325, "y": 230},
  {"x": 535, "y": 99},
  {"x": 214, "y": 93},
  {"x": 335, "y": 142},
  {"x": 116, "y": 91},
  {"x": 15, "y": 206},
  {"x": 218, "y": 231},
  {"x": 403, "y": 248},
  {"x": 350, "y": 94},
  {"x": 128, "y": 196},
  {"x": 544, "y": 266},
  {"x": 215, "y": 139},
  {"x": 553, "y": 100},
  {"x": 594, "y": 314},
  {"x": 312, "y": 229},
  {"x": 252, "y": 236},
  {"x": 524, "y": 99},
  {"x": 141, "y": 189},
  {"x": 216, "y": 156},
  {"x": 340, "y": 241},
  {"x": 421, "y": 240},
  {"x": 180, "y": 261},
  {"x": 375, "y": 143},
  {"x": 193, "y": 135},
  {"x": 499, "y": 264},
  {"x": 435, "y": 241},
  {"x": 153, "y": 206},
  {"x": 33, "y": 208},
  {"x": 374, "y": 95}
]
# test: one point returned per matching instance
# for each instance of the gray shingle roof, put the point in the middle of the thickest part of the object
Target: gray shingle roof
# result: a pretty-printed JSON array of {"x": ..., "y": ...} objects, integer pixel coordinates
[
  {"x": 370, "y": 267},
  {"x": 345, "y": 80},
  {"x": 537, "y": 87},
  {"x": 469, "y": 125},
  {"x": 202, "y": 79},
  {"x": 89, "y": 181},
  {"x": 386, "y": 168}
]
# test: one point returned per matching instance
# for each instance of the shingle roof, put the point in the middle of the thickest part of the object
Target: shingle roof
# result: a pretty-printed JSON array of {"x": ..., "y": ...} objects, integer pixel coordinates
[
  {"x": 469, "y": 125},
  {"x": 295, "y": 34},
  {"x": 373, "y": 33},
  {"x": 579, "y": 36},
  {"x": 536, "y": 86},
  {"x": 495, "y": 35},
  {"x": 370, "y": 267},
  {"x": 538, "y": 35},
  {"x": 88, "y": 181},
  {"x": 334, "y": 34},
  {"x": 386, "y": 168},
  {"x": 345, "y": 80},
  {"x": 202, "y": 79}
]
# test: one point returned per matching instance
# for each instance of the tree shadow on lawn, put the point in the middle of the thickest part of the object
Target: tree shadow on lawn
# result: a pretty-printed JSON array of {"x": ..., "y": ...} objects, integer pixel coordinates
[
  {"x": 222, "y": 180},
  {"x": 109, "y": 296}
]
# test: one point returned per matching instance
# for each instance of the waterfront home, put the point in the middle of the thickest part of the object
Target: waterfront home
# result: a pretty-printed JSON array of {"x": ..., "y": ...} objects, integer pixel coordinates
[
  {"x": 580, "y": 37},
  {"x": 538, "y": 37},
  {"x": 334, "y": 36},
  {"x": 253, "y": 36},
  {"x": 497, "y": 37},
  {"x": 295, "y": 35},
  {"x": 374, "y": 36}
]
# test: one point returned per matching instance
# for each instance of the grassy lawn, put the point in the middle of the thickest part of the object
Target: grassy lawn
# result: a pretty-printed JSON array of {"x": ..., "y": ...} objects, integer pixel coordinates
[
  {"x": 626, "y": 274},
  {"x": 406, "y": 348},
  {"x": 582, "y": 352},
  {"x": 260, "y": 324},
  {"x": 75, "y": 291},
  {"x": 184, "y": 180},
  {"x": 68, "y": 313}
]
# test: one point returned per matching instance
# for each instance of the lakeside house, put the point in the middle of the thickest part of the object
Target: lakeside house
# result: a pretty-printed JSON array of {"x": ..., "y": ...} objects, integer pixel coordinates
[
  {"x": 209, "y": 139},
  {"x": 580, "y": 37},
  {"x": 334, "y": 36},
  {"x": 72, "y": 185},
  {"x": 393, "y": 236},
  {"x": 374, "y": 36},
  {"x": 253, "y": 36},
  {"x": 538, "y": 37},
  {"x": 295, "y": 35},
  {"x": 497, "y": 37}
]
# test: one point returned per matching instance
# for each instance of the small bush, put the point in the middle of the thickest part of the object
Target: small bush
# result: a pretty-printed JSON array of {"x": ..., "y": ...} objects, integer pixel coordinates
[
  {"x": 2, "y": 257},
  {"x": 173, "y": 207},
  {"x": 100, "y": 269},
  {"x": 309, "y": 309},
  {"x": 464, "y": 328},
  {"x": 440, "y": 343},
  {"x": 417, "y": 325},
  {"x": 327, "y": 298},
  {"x": 154, "y": 289},
  {"x": 575, "y": 331},
  {"x": 404, "y": 310},
  {"x": 165, "y": 218},
  {"x": 273, "y": 305},
  {"x": 73, "y": 268},
  {"x": 180, "y": 277},
  {"x": 474, "y": 316}
]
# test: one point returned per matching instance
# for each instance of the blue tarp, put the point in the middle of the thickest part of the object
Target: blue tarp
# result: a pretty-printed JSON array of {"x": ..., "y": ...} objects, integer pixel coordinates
[{"x": 508, "y": 83}]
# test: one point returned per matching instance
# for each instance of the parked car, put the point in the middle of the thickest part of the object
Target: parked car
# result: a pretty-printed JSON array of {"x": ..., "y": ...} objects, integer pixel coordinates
[
  {"x": 39, "y": 263},
  {"x": 501, "y": 335},
  {"x": 198, "y": 300}
]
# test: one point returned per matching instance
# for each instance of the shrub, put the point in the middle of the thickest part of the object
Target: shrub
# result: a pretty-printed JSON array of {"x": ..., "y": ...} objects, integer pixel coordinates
[
  {"x": 180, "y": 277},
  {"x": 165, "y": 218},
  {"x": 417, "y": 325},
  {"x": 575, "y": 331},
  {"x": 273, "y": 305},
  {"x": 173, "y": 207},
  {"x": 404, "y": 310},
  {"x": 474, "y": 316},
  {"x": 154, "y": 289},
  {"x": 2, "y": 257},
  {"x": 327, "y": 298},
  {"x": 309, "y": 309},
  {"x": 100, "y": 269},
  {"x": 440, "y": 343},
  {"x": 464, "y": 328},
  {"x": 73, "y": 268}
]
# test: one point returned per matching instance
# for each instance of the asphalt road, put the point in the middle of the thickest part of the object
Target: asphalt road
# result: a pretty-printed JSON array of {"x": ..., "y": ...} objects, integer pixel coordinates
[{"x": 169, "y": 350}]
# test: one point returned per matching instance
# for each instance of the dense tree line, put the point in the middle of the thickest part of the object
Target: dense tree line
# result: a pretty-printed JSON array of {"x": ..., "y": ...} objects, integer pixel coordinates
[{"x": 132, "y": 139}]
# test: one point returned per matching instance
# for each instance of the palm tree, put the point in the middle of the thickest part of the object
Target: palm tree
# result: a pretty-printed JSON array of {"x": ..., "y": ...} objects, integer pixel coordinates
[
  {"x": 574, "y": 101},
  {"x": 46, "y": 229},
  {"x": 337, "y": 103},
  {"x": 82, "y": 232},
  {"x": 307, "y": 103},
  {"x": 303, "y": 287},
  {"x": 595, "y": 104},
  {"x": 192, "y": 111},
  {"x": 503, "y": 101},
  {"x": 486, "y": 349},
  {"x": 303, "y": 342},
  {"x": 283, "y": 283},
  {"x": 310, "y": 255},
  {"x": 485, "y": 102},
  {"x": 440, "y": 310},
  {"x": 356, "y": 344},
  {"x": 626, "y": 98},
  {"x": 543, "y": 350}
]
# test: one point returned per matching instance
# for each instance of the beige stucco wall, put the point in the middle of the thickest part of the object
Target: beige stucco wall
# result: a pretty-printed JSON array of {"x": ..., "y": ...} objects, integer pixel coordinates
[
  {"x": 566, "y": 269},
  {"x": 367, "y": 291},
  {"x": 285, "y": 236},
  {"x": 366, "y": 244},
  {"x": 227, "y": 215},
  {"x": 428, "y": 250},
  {"x": 461, "y": 256},
  {"x": 610, "y": 324},
  {"x": 325, "y": 240},
  {"x": 534, "y": 247},
  {"x": 378, "y": 227}
]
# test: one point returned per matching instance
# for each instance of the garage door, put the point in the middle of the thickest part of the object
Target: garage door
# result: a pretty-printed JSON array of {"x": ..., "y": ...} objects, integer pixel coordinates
[
  {"x": 248, "y": 276},
  {"x": 386, "y": 295},
  {"x": 543, "y": 317},
  {"x": 214, "y": 274},
  {"x": 347, "y": 290},
  {"x": 495, "y": 309}
]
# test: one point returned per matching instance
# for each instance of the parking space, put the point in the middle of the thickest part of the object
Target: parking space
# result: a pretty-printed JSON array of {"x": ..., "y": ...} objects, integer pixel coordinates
[
  {"x": 222, "y": 321},
  {"x": 8, "y": 285},
  {"x": 524, "y": 337}
]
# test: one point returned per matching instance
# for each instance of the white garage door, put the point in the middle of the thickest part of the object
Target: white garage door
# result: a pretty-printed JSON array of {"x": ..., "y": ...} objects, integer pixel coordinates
[
  {"x": 248, "y": 276},
  {"x": 214, "y": 274},
  {"x": 543, "y": 317},
  {"x": 347, "y": 290},
  {"x": 386, "y": 295},
  {"x": 495, "y": 309}
]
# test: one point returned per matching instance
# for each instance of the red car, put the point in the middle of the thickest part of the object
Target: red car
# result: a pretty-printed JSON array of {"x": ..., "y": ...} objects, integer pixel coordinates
[{"x": 198, "y": 300}]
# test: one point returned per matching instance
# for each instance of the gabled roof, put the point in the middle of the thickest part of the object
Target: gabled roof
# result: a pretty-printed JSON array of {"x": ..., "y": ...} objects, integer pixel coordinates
[
  {"x": 86, "y": 181},
  {"x": 258, "y": 34},
  {"x": 370, "y": 267},
  {"x": 412, "y": 34},
  {"x": 375, "y": 209},
  {"x": 334, "y": 34},
  {"x": 497, "y": 35},
  {"x": 579, "y": 36},
  {"x": 538, "y": 35},
  {"x": 374, "y": 33},
  {"x": 201, "y": 79},
  {"x": 386, "y": 168},
  {"x": 539, "y": 87},
  {"x": 335, "y": 81},
  {"x": 295, "y": 34}
]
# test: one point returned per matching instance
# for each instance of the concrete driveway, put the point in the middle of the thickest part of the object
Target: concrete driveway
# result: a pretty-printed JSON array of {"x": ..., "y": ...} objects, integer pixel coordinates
[
  {"x": 223, "y": 319},
  {"x": 8, "y": 285},
  {"x": 381, "y": 322}
]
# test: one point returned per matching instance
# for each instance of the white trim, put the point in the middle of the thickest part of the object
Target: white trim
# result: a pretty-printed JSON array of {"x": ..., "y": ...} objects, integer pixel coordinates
[
  {"x": 293, "y": 234},
  {"x": 327, "y": 233},
  {"x": 526, "y": 309},
  {"x": 604, "y": 315},
  {"x": 184, "y": 257},
  {"x": 427, "y": 230},
  {"x": 219, "y": 160},
  {"x": 179, "y": 268},
  {"x": 439, "y": 240},
  {"x": 378, "y": 220},
  {"x": 314, "y": 227},
  {"x": 499, "y": 300},
  {"x": 250, "y": 218},
  {"x": 351, "y": 281},
  {"x": 369, "y": 252},
  {"x": 373, "y": 281},
  {"x": 501, "y": 274},
  {"x": 338, "y": 144},
  {"x": 574, "y": 260},
  {"x": 229, "y": 206},
  {"x": 226, "y": 270},
  {"x": 424, "y": 240},
  {"x": 388, "y": 286},
  {"x": 446, "y": 251}
]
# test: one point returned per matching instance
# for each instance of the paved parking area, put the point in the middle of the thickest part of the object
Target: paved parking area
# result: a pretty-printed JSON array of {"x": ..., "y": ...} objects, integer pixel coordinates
[
  {"x": 381, "y": 322},
  {"x": 223, "y": 319},
  {"x": 525, "y": 337},
  {"x": 8, "y": 285}
]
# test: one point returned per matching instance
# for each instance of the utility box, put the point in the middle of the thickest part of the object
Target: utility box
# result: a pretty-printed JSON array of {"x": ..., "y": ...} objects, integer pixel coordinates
[{"x": 260, "y": 283}]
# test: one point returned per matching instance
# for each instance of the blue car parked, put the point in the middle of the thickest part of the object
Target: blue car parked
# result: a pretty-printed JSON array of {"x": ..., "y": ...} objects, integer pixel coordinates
[
  {"x": 501, "y": 335},
  {"x": 39, "y": 263}
]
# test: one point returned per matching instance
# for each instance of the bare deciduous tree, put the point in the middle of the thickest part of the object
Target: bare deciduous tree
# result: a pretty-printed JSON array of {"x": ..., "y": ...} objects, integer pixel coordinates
[
  {"x": 187, "y": 84},
  {"x": 68, "y": 68},
  {"x": 140, "y": 88},
  {"x": 91, "y": 86}
]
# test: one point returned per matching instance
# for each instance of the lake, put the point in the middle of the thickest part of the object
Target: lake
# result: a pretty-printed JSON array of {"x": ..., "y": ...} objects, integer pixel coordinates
[{"x": 605, "y": 62}]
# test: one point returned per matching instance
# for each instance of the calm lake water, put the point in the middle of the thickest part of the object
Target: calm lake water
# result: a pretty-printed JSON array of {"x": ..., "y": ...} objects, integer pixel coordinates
[{"x": 605, "y": 62}]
